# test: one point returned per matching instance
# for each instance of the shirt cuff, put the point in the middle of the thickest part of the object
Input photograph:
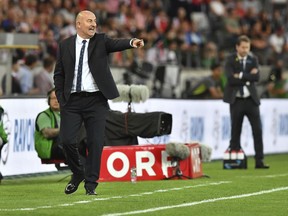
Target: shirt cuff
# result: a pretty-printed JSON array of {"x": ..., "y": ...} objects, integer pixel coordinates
[{"x": 131, "y": 42}]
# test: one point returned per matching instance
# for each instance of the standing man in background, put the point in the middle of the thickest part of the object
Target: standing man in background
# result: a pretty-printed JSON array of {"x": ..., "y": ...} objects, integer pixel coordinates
[
  {"x": 44, "y": 79},
  {"x": 84, "y": 83},
  {"x": 242, "y": 71},
  {"x": 26, "y": 77},
  {"x": 15, "y": 83}
]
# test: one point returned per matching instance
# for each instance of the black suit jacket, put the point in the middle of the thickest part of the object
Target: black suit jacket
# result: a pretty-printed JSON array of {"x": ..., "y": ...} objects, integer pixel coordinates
[
  {"x": 98, "y": 51},
  {"x": 232, "y": 66},
  {"x": 15, "y": 88}
]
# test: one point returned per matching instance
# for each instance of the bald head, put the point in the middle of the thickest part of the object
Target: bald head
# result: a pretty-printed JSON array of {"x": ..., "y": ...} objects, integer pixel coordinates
[
  {"x": 82, "y": 14},
  {"x": 86, "y": 24}
]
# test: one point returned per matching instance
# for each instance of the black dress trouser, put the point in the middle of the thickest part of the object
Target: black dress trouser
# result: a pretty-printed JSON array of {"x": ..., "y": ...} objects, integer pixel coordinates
[
  {"x": 90, "y": 108},
  {"x": 246, "y": 107}
]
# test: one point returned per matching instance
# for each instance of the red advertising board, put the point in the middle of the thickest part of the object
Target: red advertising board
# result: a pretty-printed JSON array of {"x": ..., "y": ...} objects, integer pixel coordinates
[{"x": 151, "y": 163}]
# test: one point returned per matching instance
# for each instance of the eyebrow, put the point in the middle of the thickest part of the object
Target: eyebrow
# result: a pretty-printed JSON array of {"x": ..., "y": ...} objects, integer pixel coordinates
[{"x": 89, "y": 19}]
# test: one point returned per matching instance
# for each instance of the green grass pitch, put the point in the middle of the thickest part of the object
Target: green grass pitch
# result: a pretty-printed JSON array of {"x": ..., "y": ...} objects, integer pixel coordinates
[{"x": 224, "y": 192}]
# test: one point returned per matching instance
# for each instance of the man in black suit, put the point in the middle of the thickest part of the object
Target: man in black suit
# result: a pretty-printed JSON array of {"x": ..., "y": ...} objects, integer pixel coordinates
[
  {"x": 242, "y": 71},
  {"x": 15, "y": 83},
  {"x": 84, "y": 83}
]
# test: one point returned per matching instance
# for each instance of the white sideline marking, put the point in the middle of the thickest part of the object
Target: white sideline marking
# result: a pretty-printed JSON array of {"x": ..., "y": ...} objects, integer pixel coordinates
[
  {"x": 115, "y": 197},
  {"x": 198, "y": 202},
  {"x": 266, "y": 176},
  {"x": 275, "y": 176}
]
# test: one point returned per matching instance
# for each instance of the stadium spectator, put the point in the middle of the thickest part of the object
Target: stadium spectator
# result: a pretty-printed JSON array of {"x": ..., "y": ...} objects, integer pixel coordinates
[
  {"x": 68, "y": 11},
  {"x": 48, "y": 44},
  {"x": 10, "y": 21},
  {"x": 232, "y": 29},
  {"x": 248, "y": 21},
  {"x": 277, "y": 20},
  {"x": 139, "y": 69},
  {"x": 57, "y": 25},
  {"x": 278, "y": 85},
  {"x": 210, "y": 87},
  {"x": 111, "y": 7},
  {"x": 210, "y": 55},
  {"x": 161, "y": 22},
  {"x": 217, "y": 8},
  {"x": 193, "y": 42},
  {"x": 264, "y": 19},
  {"x": 180, "y": 18},
  {"x": 239, "y": 9},
  {"x": 278, "y": 44},
  {"x": 157, "y": 20},
  {"x": 26, "y": 75},
  {"x": 256, "y": 4},
  {"x": 259, "y": 43},
  {"x": 3, "y": 135},
  {"x": 44, "y": 79},
  {"x": 216, "y": 14}
]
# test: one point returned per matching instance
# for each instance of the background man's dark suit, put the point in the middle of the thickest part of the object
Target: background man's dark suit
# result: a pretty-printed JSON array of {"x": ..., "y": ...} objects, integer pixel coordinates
[
  {"x": 232, "y": 66},
  {"x": 240, "y": 107},
  {"x": 91, "y": 107}
]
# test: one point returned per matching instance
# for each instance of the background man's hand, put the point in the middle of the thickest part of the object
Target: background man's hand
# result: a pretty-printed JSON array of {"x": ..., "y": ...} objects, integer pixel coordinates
[
  {"x": 254, "y": 71},
  {"x": 236, "y": 75}
]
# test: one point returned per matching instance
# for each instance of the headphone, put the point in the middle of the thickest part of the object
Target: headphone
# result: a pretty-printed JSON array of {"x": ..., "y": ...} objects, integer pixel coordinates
[{"x": 48, "y": 95}]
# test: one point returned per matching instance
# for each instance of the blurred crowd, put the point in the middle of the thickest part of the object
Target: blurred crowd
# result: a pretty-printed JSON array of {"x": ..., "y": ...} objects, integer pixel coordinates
[{"x": 187, "y": 33}]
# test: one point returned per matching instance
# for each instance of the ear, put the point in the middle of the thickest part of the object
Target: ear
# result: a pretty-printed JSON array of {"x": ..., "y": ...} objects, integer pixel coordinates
[{"x": 77, "y": 24}]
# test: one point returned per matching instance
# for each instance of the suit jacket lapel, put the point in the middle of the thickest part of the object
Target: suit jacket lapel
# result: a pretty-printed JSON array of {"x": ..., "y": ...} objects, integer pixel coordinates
[
  {"x": 92, "y": 45},
  {"x": 72, "y": 47},
  {"x": 248, "y": 63}
]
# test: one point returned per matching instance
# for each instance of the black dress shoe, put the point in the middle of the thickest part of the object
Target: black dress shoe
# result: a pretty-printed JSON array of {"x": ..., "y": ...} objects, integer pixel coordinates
[
  {"x": 90, "y": 191},
  {"x": 262, "y": 166},
  {"x": 73, "y": 184}
]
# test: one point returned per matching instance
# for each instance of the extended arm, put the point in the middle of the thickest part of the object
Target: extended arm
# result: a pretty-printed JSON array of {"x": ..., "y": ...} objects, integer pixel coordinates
[{"x": 116, "y": 45}]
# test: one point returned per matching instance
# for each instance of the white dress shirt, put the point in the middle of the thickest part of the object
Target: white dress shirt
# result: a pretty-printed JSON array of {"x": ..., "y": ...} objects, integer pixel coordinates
[
  {"x": 88, "y": 83},
  {"x": 246, "y": 92}
]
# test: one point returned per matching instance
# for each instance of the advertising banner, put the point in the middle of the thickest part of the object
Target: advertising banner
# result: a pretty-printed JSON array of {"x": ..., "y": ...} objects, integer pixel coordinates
[{"x": 193, "y": 121}]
